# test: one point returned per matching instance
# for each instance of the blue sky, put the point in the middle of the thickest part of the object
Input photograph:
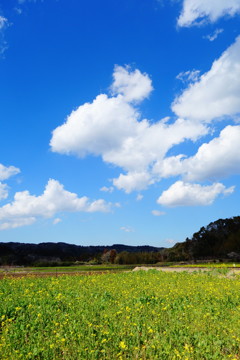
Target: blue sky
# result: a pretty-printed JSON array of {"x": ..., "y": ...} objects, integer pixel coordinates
[{"x": 119, "y": 119}]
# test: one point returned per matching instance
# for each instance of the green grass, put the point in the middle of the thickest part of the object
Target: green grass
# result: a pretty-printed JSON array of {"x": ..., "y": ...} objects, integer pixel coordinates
[
  {"x": 208, "y": 265},
  {"x": 135, "y": 315},
  {"x": 75, "y": 268}
]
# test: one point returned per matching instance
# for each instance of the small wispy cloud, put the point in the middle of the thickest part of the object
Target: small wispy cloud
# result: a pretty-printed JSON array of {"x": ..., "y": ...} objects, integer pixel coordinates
[
  {"x": 158, "y": 213},
  {"x": 3, "y": 191},
  {"x": 139, "y": 197},
  {"x": 56, "y": 221},
  {"x": 18, "y": 10},
  {"x": 3, "y": 25},
  {"x": 188, "y": 76},
  {"x": 214, "y": 35},
  {"x": 170, "y": 241},
  {"x": 107, "y": 189},
  {"x": 127, "y": 229},
  {"x": 3, "y": 22}
]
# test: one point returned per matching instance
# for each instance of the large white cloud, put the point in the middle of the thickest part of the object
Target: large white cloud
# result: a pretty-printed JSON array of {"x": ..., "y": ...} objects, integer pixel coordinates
[
  {"x": 26, "y": 208},
  {"x": 217, "y": 93},
  {"x": 187, "y": 194},
  {"x": 7, "y": 171},
  {"x": 96, "y": 128},
  {"x": 218, "y": 159},
  {"x": 196, "y": 12},
  {"x": 111, "y": 127}
]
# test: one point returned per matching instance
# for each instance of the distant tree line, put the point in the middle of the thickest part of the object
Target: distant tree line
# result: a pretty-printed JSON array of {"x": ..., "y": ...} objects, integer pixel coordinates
[
  {"x": 54, "y": 254},
  {"x": 126, "y": 257},
  {"x": 218, "y": 240}
]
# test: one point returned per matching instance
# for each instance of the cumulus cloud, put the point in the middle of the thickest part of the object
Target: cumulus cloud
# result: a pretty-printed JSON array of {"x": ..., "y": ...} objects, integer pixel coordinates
[
  {"x": 157, "y": 213},
  {"x": 197, "y": 12},
  {"x": 170, "y": 166},
  {"x": 7, "y": 172},
  {"x": 214, "y": 35},
  {"x": 132, "y": 85},
  {"x": 3, "y": 191},
  {"x": 133, "y": 181},
  {"x": 216, "y": 94},
  {"x": 111, "y": 127},
  {"x": 96, "y": 128},
  {"x": 187, "y": 194},
  {"x": 26, "y": 208},
  {"x": 218, "y": 159}
]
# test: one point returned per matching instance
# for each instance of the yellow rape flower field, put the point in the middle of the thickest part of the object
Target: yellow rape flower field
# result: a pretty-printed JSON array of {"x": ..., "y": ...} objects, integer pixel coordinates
[{"x": 135, "y": 315}]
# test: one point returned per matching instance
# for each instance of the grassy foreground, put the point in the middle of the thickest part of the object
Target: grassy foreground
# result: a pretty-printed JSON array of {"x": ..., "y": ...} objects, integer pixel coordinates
[{"x": 137, "y": 315}]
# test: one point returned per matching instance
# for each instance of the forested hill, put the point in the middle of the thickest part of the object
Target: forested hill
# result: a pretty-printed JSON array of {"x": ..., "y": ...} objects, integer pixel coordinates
[
  {"x": 219, "y": 239},
  {"x": 14, "y": 253}
]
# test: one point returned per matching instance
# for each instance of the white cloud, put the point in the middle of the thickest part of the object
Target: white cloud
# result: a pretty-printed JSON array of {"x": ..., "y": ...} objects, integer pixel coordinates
[
  {"x": 214, "y": 35},
  {"x": 220, "y": 158},
  {"x": 26, "y": 208},
  {"x": 109, "y": 189},
  {"x": 187, "y": 194},
  {"x": 56, "y": 221},
  {"x": 3, "y": 25},
  {"x": 150, "y": 143},
  {"x": 139, "y": 197},
  {"x": 216, "y": 94},
  {"x": 3, "y": 22},
  {"x": 217, "y": 159},
  {"x": 7, "y": 172},
  {"x": 132, "y": 85},
  {"x": 170, "y": 166},
  {"x": 3, "y": 191},
  {"x": 157, "y": 213},
  {"x": 188, "y": 76},
  {"x": 96, "y": 128},
  {"x": 15, "y": 223},
  {"x": 111, "y": 127},
  {"x": 197, "y": 12},
  {"x": 133, "y": 181},
  {"x": 127, "y": 229}
]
